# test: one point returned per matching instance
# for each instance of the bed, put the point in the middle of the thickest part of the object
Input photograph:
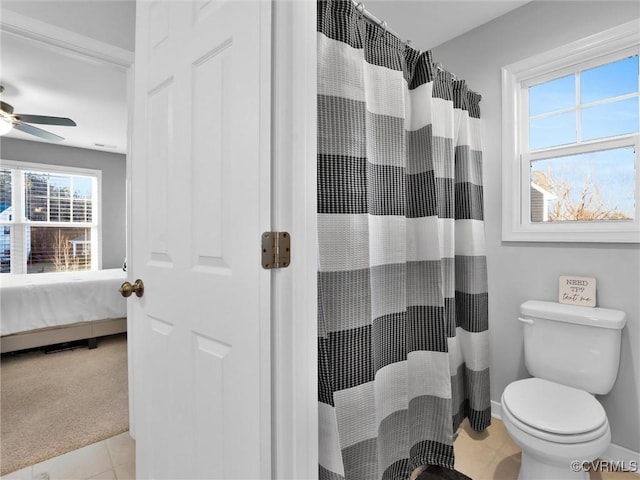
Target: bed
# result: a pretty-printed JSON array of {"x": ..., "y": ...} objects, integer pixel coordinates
[{"x": 51, "y": 308}]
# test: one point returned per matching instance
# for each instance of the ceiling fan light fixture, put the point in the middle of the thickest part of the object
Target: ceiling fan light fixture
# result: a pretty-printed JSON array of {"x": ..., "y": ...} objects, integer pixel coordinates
[
  {"x": 6, "y": 118},
  {"x": 5, "y": 126}
]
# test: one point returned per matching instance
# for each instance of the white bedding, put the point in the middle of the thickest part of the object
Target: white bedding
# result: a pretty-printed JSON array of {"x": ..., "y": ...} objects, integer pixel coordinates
[{"x": 29, "y": 302}]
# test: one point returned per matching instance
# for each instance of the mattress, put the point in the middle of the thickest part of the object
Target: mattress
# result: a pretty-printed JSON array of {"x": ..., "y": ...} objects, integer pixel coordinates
[{"x": 29, "y": 302}]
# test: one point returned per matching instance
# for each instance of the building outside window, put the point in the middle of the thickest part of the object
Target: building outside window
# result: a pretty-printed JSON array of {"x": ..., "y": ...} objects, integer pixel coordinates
[{"x": 49, "y": 218}]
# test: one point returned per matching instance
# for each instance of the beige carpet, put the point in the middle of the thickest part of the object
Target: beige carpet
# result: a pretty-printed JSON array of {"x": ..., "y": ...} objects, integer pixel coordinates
[{"x": 57, "y": 402}]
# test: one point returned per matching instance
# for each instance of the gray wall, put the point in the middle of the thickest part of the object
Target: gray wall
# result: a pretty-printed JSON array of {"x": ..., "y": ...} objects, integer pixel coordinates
[
  {"x": 521, "y": 271},
  {"x": 113, "y": 167}
]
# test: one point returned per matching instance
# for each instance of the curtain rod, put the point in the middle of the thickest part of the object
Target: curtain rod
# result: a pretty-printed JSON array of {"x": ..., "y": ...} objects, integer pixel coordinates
[{"x": 375, "y": 20}]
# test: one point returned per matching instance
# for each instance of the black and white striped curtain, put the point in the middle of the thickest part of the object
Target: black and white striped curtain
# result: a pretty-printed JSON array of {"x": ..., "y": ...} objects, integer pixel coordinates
[{"x": 403, "y": 323}]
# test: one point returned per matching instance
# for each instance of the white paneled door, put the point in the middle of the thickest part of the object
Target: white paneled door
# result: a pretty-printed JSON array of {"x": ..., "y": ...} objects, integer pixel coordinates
[{"x": 200, "y": 199}]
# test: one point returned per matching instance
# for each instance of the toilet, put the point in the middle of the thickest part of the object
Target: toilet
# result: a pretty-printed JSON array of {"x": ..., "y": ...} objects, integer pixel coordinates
[{"x": 573, "y": 353}]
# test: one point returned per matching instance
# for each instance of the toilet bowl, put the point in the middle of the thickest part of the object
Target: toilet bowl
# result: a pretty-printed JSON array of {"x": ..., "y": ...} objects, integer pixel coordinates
[
  {"x": 572, "y": 353},
  {"x": 554, "y": 425}
]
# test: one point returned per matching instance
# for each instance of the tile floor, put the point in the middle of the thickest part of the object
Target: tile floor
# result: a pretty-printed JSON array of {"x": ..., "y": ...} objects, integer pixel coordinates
[
  {"x": 110, "y": 459},
  {"x": 490, "y": 455}
]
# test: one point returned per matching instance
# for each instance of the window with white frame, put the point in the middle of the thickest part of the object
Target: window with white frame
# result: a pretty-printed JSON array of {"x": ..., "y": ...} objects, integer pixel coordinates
[
  {"x": 49, "y": 218},
  {"x": 571, "y": 142}
]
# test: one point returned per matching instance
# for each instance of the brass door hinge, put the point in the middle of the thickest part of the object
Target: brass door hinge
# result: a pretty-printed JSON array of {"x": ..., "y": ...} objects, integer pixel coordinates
[{"x": 276, "y": 250}]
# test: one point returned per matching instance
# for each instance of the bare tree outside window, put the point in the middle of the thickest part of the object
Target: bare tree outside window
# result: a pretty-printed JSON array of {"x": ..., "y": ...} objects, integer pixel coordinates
[
  {"x": 575, "y": 202},
  {"x": 592, "y": 186},
  {"x": 63, "y": 258}
]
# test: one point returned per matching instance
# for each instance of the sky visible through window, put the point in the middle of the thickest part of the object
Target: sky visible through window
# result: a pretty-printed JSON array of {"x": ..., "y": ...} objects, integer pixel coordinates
[
  {"x": 83, "y": 187},
  {"x": 594, "y": 104}
]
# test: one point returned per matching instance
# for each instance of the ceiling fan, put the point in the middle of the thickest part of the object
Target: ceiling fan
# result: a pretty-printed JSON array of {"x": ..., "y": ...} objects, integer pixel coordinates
[{"x": 19, "y": 121}]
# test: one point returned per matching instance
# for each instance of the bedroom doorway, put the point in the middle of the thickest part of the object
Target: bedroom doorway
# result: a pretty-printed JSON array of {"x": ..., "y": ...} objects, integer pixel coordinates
[
  {"x": 294, "y": 351},
  {"x": 77, "y": 395}
]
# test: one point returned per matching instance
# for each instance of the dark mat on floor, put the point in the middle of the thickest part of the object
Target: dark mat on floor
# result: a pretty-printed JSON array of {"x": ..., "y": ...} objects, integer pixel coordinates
[{"x": 435, "y": 472}]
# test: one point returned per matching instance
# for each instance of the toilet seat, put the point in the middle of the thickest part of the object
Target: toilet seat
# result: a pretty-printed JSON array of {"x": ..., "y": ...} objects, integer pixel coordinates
[{"x": 554, "y": 412}]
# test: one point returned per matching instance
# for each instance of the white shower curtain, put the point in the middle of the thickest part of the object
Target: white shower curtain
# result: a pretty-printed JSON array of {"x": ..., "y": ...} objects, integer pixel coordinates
[{"x": 403, "y": 323}]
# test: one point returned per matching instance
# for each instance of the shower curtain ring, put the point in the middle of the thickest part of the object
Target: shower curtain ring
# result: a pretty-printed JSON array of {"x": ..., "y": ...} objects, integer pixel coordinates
[
  {"x": 360, "y": 8},
  {"x": 384, "y": 26}
]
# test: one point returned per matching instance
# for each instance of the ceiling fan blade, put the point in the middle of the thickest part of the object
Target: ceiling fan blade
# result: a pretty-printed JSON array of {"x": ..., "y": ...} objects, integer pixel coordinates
[
  {"x": 38, "y": 132},
  {"x": 44, "y": 120}
]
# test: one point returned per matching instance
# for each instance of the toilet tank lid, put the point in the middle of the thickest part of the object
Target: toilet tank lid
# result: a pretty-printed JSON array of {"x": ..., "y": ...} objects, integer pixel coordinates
[{"x": 595, "y": 317}]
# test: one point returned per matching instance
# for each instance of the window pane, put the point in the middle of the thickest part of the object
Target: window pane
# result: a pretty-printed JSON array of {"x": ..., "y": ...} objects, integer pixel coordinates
[
  {"x": 36, "y": 193},
  {"x": 82, "y": 187},
  {"x": 6, "y": 215},
  {"x": 54, "y": 249},
  {"x": 59, "y": 209},
  {"x": 610, "y": 119},
  {"x": 585, "y": 187},
  {"x": 5, "y": 196},
  {"x": 610, "y": 80},
  {"x": 81, "y": 210},
  {"x": 553, "y": 130},
  {"x": 5, "y": 249},
  {"x": 552, "y": 96},
  {"x": 60, "y": 197},
  {"x": 59, "y": 186},
  {"x": 82, "y": 196}
]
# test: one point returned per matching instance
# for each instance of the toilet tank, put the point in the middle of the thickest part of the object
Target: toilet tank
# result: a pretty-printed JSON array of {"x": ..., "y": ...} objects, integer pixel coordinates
[{"x": 572, "y": 345}]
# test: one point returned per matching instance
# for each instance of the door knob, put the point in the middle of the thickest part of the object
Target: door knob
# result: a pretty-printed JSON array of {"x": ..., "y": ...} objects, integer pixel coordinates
[{"x": 126, "y": 289}]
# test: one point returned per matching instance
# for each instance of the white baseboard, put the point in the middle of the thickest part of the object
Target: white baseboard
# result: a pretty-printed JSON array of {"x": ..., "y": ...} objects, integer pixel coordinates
[
  {"x": 496, "y": 410},
  {"x": 614, "y": 453}
]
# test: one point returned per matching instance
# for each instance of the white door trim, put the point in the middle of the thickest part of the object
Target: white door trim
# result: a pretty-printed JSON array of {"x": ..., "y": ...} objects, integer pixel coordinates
[
  {"x": 34, "y": 29},
  {"x": 294, "y": 185}
]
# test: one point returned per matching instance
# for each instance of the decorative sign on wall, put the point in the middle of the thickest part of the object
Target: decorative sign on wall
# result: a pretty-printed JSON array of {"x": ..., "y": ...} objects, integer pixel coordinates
[{"x": 574, "y": 290}]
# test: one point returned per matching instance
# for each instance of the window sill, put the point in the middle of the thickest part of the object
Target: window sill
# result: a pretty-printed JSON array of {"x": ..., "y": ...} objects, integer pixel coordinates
[{"x": 574, "y": 233}]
